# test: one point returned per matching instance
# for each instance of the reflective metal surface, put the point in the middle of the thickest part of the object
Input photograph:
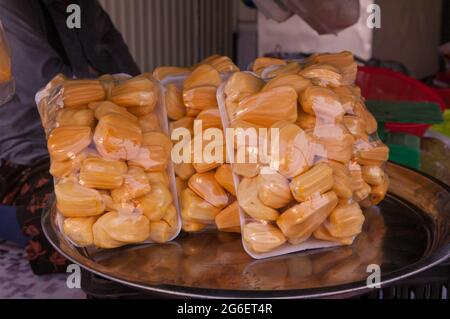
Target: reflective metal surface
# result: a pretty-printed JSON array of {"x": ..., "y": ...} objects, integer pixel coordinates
[{"x": 406, "y": 234}]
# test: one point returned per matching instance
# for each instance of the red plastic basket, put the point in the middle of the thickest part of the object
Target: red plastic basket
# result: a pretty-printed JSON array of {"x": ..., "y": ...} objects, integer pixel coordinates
[
  {"x": 445, "y": 96},
  {"x": 384, "y": 84}
]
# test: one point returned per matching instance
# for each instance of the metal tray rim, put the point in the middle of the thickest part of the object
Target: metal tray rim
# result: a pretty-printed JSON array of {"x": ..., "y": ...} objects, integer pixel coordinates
[{"x": 348, "y": 289}]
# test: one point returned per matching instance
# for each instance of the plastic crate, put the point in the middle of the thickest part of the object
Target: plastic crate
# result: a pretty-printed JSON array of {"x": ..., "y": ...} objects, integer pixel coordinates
[
  {"x": 445, "y": 96},
  {"x": 384, "y": 84}
]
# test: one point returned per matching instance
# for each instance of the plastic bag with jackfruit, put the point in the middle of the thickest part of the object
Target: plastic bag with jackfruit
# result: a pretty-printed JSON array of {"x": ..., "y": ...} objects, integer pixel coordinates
[
  {"x": 314, "y": 158},
  {"x": 205, "y": 188},
  {"x": 109, "y": 147}
]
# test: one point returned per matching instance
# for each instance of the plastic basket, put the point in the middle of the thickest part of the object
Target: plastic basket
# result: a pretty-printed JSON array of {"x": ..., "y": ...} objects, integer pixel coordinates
[
  {"x": 445, "y": 96},
  {"x": 384, "y": 84}
]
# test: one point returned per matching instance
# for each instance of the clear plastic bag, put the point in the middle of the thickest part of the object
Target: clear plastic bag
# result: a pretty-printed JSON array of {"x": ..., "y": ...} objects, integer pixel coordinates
[
  {"x": 205, "y": 186},
  {"x": 314, "y": 159},
  {"x": 7, "y": 85},
  {"x": 333, "y": 266},
  {"x": 109, "y": 145}
]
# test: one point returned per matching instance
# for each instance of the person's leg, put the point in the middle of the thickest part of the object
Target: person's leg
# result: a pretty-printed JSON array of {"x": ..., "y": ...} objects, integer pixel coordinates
[{"x": 30, "y": 191}]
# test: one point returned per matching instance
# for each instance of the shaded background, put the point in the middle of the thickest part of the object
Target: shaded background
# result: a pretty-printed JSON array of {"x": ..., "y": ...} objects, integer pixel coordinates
[{"x": 181, "y": 32}]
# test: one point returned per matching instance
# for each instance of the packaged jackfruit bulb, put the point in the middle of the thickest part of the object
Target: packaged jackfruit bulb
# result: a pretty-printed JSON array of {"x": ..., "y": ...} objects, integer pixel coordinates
[
  {"x": 286, "y": 154},
  {"x": 109, "y": 145},
  {"x": 305, "y": 155},
  {"x": 206, "y": 186}
]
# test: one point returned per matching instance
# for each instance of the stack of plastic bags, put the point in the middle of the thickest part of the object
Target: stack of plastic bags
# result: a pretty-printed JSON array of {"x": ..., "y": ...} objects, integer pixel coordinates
[{"x": 296, "y": 158}]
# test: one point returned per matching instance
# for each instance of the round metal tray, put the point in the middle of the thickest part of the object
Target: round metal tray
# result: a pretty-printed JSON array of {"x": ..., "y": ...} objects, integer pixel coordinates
[{"x": 407, "y": 233}]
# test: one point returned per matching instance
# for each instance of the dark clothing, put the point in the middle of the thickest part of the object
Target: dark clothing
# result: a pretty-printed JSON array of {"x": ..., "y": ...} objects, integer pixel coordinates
[
  {"x": 42, "y": 46},
  {"x": 29, "y": 189}
]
